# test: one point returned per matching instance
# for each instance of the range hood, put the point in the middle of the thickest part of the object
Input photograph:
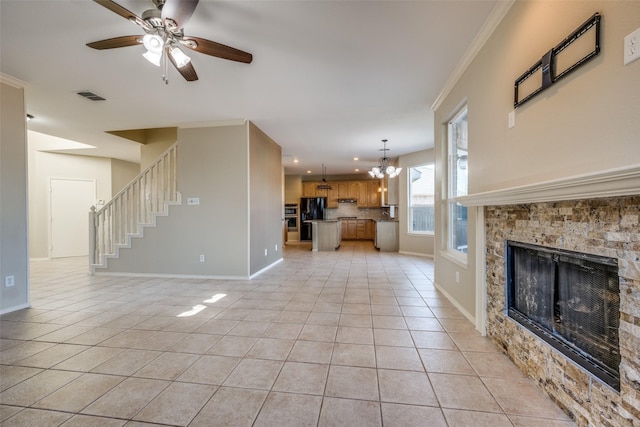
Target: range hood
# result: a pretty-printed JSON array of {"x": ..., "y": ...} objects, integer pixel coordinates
[{"x": 347, "y": 200}]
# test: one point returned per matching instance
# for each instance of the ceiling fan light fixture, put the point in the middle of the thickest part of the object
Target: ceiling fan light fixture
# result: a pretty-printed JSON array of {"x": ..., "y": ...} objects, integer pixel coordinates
[
  {"x": 179, "y": 56},
  {"x": 152, "y": 57},
  {"x": 153, "y": 43}
]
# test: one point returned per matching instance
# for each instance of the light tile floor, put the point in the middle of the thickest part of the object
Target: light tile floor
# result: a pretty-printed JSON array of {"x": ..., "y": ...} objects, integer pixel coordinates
[{"x": 353, "y": 338}]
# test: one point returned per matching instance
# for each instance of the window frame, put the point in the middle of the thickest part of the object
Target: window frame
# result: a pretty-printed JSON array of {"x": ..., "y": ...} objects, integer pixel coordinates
[
  {"x": 454, "y": 190},
  {"x": 409, "y": 201}
]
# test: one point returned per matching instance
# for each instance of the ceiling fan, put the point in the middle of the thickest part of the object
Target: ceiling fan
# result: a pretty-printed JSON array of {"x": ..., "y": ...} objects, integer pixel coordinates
[{"x": 163, "y": 26}]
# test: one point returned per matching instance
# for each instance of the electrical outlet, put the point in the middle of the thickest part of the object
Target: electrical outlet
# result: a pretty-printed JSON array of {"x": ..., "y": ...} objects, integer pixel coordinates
[
  {"x": 201, "y": 258},
  {"x": 193, "y": 201},
  {"x": 9, "y": 281},
  {"x": 632, "y": 47}
]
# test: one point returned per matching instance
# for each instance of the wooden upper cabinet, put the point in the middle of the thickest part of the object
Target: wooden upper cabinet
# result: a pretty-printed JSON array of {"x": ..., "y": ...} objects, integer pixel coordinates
[
  {"x": 309, "y": 189},
  {"x": 366, "y": 192},
  {"x": 373, "y": 194},
  {"x": 354, "y": 189},
  {"x": 333, "y": 195},
  {"x": 363, "y": 197},
  {"x": 344, "y": 190},
  {"x": 321, "y": 193}
]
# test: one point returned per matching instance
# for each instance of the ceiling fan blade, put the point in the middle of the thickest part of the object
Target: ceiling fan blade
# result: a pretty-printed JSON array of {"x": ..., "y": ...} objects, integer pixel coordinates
[
  {"x": 187, "y": 71},
  {"x": 178, "y": 11},
  {"x": 116, "y": 8},
  {"x": 123, "y": 41},
  {"x": 216, "y": 49}
]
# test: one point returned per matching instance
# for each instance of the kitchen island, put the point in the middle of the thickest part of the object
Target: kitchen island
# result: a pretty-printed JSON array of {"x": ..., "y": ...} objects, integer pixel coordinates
[
  {"x": 325, "y": 234},
  {"x": 387, "y": 236}
]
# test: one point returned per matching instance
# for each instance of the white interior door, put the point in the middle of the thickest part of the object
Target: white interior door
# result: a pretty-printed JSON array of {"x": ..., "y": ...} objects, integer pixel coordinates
[{"x": 71, "y": 200}]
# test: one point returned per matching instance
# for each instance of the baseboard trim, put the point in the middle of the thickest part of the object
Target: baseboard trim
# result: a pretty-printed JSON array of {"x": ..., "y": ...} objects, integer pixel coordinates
[
  {"x": 453, "y": 301},
  {"x": 170, "y": 276},
  {"x": 266, "y": 268},
  {"x": 15, "y": 308},
  {"x": 430, "y": 256}
]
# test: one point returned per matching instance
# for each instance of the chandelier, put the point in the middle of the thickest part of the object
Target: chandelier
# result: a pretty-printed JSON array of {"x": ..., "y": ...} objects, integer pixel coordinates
[{"x": 384, "y": 167}]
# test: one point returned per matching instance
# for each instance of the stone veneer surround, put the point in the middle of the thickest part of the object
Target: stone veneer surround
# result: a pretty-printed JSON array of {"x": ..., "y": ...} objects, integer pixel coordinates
[{"x": 608, "y": 227}]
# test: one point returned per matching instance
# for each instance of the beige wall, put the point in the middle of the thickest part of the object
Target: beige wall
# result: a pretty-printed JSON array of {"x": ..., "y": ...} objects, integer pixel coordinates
[
  {"x": 122, "y": 173},
  {"x": 213, "y": 164},
  {"x": 587, "y": 122},
  {"x": 42, "y": 167},
  {"x": 157, "y": 141},
  {"x": 14, "y": 257},
  {"x": 265, "y": 200},
  {"x": 416, "y": 244}
]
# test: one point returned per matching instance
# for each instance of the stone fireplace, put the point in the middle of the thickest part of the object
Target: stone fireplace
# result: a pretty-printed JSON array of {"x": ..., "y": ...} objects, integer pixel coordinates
[{"x": 606, "y": 228}]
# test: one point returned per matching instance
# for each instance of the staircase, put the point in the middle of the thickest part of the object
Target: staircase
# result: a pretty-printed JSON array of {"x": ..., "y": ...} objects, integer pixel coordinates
[{"x": 133, "y": 209}]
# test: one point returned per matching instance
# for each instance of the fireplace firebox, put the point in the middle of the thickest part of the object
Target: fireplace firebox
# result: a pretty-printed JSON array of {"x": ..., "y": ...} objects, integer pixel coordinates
[{"x": 570, "y": 300}]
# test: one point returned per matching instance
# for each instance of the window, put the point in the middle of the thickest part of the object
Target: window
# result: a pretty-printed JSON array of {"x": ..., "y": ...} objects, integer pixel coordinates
[
  {"x": 458, "y": 182},
  {"x": 421, "y": 191}
]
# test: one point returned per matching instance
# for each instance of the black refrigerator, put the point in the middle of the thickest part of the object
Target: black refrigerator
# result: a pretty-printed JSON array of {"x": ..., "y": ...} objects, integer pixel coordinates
[{"x": 310, "y": 208}]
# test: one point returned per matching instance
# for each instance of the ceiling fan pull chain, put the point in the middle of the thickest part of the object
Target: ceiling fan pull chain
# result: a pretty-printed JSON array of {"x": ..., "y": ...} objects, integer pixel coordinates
[{"x": 165, "y": 67}]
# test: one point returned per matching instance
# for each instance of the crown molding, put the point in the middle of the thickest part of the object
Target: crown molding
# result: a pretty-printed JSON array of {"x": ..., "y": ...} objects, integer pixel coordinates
[
  {"x": 618, "y": 182},
  {"x": 490, "y": 24},
  {"x": 12, "y": 81}
]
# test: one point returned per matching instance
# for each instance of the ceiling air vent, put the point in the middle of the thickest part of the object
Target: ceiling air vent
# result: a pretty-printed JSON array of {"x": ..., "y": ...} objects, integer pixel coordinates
[{"x": 90, "y": 95}]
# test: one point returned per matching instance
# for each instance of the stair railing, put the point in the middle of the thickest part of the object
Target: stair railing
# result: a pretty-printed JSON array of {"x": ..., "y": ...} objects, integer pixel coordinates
[{"x": 134, "y": 206}]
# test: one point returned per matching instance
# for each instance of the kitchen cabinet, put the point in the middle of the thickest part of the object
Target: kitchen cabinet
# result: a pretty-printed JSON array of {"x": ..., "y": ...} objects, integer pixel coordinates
[
  {"x": 373, "y": 194},
  {"x": 326, "y": 235},
  {"x": 349, "y": 229},
  {"x": 354, "y": 188},
  {"x": 387, "y": 237},
  {"x": 309, "y": 189},
  {"x": 368, "y": 194},
  {"x": 344, "y": 190},
  {"x": 370, "y": 230},
  {"x": 390, "y": 190},
  {"x": 333, "y": 195},
  {"x": 358, "y": 229},
  {"x": 363, "y": 198}
]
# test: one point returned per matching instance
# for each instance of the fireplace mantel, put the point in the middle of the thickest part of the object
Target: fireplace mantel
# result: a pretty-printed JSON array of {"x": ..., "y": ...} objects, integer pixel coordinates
[{"x": 610, "y": 183}]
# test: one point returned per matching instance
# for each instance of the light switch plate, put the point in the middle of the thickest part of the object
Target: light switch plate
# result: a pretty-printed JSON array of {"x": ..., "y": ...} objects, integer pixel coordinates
[
  {"x": 511, "y": 119},
  {"x": 9, "y": 281},
  {"x": 193, "y": 201},
  {"x": 632, "y": 47}
]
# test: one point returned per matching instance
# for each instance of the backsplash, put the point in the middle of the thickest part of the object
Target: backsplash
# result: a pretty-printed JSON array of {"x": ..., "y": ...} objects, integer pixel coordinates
[{"x": 351, "y": 209}]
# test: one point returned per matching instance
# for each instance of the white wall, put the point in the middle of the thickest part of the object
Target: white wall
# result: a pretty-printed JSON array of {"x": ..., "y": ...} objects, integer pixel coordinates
[
  {"x": 14, "y": 258},
  {"x": 585, "y": 123},
  {"x": 417, "y": 244}
]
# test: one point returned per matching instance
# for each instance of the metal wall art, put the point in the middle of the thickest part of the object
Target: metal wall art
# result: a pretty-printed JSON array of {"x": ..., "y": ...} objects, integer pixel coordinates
[{"x": 574, "y": 51}]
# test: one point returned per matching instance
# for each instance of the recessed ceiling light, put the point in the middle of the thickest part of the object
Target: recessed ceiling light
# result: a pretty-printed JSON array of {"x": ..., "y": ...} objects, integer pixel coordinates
[
  {"x": 308, "y": 171},
  {"x": 355, "y": 158},
  {"x": 295, "y": 160},
  {"x": 357, "y": 170}
]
